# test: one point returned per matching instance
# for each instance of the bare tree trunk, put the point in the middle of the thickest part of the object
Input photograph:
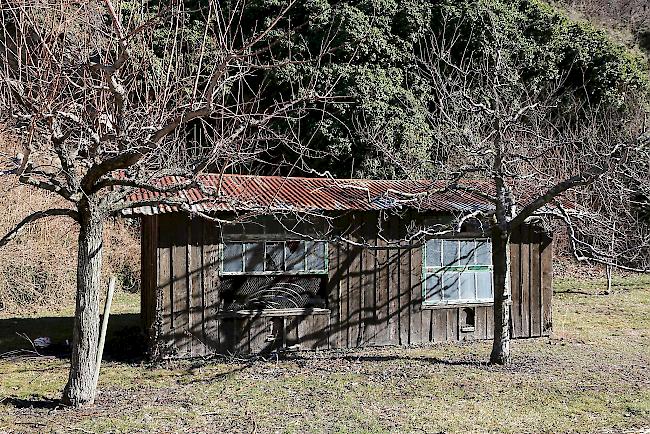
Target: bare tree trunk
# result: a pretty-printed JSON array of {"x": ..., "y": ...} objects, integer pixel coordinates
[
  {"x": 608, "y": 274},
  {"x": 80, "y": 390},
  {"x": 502, "y": 297}
]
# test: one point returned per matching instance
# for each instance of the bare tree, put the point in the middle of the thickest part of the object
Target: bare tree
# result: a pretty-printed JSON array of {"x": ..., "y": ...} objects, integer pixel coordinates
[
  {"x": 107, "y": 100},
  {"x": 537, "y": 143}
]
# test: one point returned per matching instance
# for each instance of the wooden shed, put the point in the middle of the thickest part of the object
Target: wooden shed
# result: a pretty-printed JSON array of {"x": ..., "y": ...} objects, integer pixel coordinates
[{"x": 276, "y": 264}]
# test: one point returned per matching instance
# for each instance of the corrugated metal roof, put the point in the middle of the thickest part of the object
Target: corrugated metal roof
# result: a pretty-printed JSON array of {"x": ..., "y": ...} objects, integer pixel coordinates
[{"x": 277, "y": 193}]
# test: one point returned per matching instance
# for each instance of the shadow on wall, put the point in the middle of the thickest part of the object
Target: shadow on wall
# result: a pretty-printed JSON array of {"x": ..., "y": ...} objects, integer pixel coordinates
[{"x": 124, "y": 340}]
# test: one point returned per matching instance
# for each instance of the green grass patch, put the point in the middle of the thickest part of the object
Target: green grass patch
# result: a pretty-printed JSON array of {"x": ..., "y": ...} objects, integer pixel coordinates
[{"x": 591, "y": 375}]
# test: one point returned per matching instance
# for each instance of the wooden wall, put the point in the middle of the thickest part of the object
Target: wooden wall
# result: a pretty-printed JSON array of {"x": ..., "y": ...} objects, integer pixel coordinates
[{"x": 374, "y": 294}]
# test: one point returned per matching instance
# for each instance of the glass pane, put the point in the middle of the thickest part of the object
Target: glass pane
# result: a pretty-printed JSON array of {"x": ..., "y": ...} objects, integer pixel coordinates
[
  {"x": 295, "y": 254},
  {"x": 449, "y": 252},
  {"x": 467, "y": 252},
  {"x": 483, "y": 252},
  {"x": 433, "y": 250},
  {"x": 467, "y": 286},
  {"x": 433, "y": 287},
  {"x": 232, "y": 259},
  {"x": 274, "y": 257},
  {"x": 254, "y": 257},
  {"x": 315, "y": 255},
  {"x": 450, "y": 288},
  {"x": 484, "y": 285}
]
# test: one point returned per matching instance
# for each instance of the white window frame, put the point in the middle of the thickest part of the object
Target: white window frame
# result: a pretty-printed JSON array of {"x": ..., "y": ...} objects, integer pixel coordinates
[
  {"x": 427, "y": 271},
  {"x": 304, "y": 271}
]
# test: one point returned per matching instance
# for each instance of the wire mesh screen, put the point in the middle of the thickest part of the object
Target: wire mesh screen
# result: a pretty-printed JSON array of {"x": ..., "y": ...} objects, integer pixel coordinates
[{"x": 272, "y": 292}]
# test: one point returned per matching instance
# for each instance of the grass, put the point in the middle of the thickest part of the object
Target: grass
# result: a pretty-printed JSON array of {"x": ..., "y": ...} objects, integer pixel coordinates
[{"x": 592, "y": 375}]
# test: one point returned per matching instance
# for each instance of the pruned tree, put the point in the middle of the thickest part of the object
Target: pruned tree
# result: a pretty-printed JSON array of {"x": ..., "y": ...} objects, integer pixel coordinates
[
  {"x": 106, "y": 100},
  {"x": 538, "y": 143}
]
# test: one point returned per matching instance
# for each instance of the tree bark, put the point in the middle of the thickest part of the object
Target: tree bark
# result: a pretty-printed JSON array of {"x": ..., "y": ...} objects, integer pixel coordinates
[
  {"x": 80, "y": 389},
  {"x": 502, "y": 297}
]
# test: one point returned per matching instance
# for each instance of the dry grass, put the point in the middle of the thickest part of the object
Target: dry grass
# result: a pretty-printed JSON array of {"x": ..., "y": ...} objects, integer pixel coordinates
[
  {"x": 591, "y": 376},
  {"x": 38, "y": 269}
]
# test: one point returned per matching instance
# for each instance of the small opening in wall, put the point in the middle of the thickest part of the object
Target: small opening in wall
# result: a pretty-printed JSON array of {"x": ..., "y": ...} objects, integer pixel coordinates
[{"x": 467, "y": 319}]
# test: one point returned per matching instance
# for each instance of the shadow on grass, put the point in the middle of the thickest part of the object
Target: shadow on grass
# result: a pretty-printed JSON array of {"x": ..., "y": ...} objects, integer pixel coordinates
[
  {"x": 36, "y": 402},
  {"x": 430, "y": 360},
  {"x": 248, "y": 362},
  {"x": 124, "y": 341},
  {"x": 574, "y": 291}
]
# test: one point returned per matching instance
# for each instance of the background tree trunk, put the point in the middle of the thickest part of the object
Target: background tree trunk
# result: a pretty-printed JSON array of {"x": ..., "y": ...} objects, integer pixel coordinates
[
  {"x": 502, "y": 297},
  {"x": 80, "y": 389}
]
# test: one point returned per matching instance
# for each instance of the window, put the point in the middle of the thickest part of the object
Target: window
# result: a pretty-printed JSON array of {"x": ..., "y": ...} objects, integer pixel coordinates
[
  {"x": 275, "y": 245},
  {"x": 274, "y": 257},
  {"x": 273, "y": 263},
  {"x": 457, "y": 271}
]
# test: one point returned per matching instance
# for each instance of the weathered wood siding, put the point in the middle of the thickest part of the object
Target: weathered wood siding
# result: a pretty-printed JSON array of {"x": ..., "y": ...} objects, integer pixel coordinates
[{"x": 374, "y": 295}]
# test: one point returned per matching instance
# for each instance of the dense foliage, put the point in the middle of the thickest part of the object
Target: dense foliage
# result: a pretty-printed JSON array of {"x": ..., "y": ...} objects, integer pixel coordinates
[{"x": 371, "y": 54}]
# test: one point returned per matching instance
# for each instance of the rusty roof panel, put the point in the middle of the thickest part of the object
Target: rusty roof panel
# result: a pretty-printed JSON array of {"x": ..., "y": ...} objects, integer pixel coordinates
[{"x": 275, "y": 193}]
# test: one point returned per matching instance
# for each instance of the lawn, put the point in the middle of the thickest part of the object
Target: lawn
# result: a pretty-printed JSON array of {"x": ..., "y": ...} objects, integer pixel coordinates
[{"x": 592, "y": 375}]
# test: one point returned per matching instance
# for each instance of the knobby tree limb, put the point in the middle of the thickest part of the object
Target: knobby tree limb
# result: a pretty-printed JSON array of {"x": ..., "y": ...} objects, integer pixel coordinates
[{"x": 54, "y": 212}]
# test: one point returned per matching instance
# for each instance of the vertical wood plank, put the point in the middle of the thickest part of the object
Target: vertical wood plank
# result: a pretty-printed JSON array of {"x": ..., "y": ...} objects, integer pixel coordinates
[
  {"x": 439, "y": 325},
  {"x": 344, "y": 294},
  {"x": 354, "y": 285},
  {"x": 547, "y": 283},
  {"x": 149, "y": 291},
  {"x": 452, "y": 324},
  {"x": 404, "y": 301},
  {"x": 156, "y": 295},
  {"x": 180, "y": 286},
  {"x": 242, "y": 335},
  {"x": 525, "y": 281},
  {"x": 480, "y": 322},
  {"x": 197, "y": 302},
  {"x": 145, "y": 241},
  {"x": 535, "y": 285},
  {"x": 419, "y": 332},
  {"x": 426, "y": 327},
  {"x": 320, "y": 335},
  {"x": 515, "y": 283},
  {"x": 393, "y": 280},
  {"x": 368, "y": 264},
  {"x": 310, "y": 332},
  {"x": 305, "y": 329},
  {"x": 382, "y": 287},
  {"x": 259, "y": 331},
  {"x": 210, "y": 282},
  {"x": 165, "y": 279},
  {"x": 333, "y": 298},
  {"x": 489, "y": 320}
]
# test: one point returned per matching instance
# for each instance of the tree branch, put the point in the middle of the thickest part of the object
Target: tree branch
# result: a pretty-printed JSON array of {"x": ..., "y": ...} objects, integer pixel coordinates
[
  {"x": 555, "y": 191},
  {"x": 37, "y": 216}
]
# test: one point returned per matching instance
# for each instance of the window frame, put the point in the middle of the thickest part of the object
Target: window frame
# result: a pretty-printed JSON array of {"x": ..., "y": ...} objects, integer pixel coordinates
[
  {"x": 428, "y": 271},
  {"x": 283, "y": 272}
]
